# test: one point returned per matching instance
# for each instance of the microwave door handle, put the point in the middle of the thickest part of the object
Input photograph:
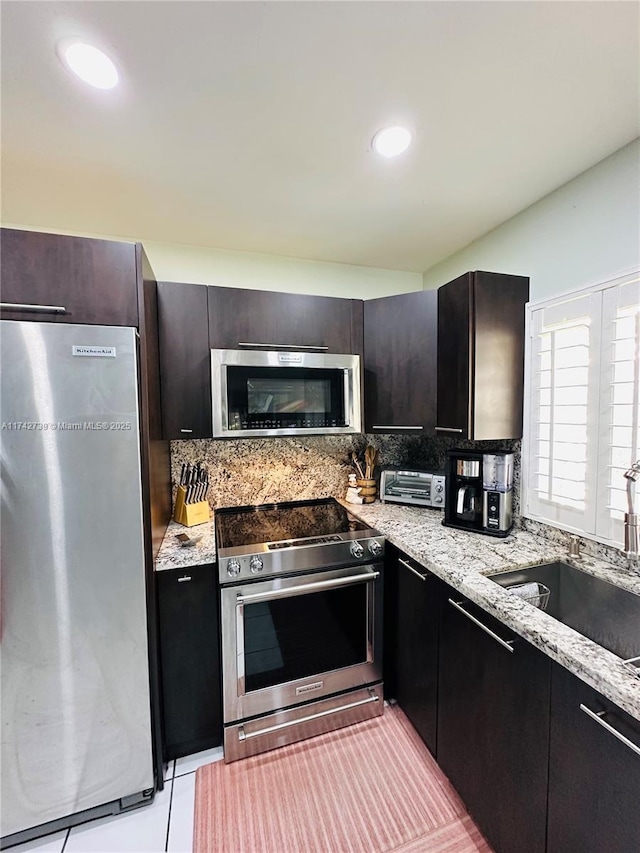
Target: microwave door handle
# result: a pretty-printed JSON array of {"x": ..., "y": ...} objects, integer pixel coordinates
[
  {"x": 309, "y": 347},
  {"x": 347, "y": 393}
]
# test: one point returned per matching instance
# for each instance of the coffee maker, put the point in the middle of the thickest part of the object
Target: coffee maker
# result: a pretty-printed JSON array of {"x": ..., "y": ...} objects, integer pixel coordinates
[
  {"x": 479, "y": 492},
  {"x": 497, "y": 493}
]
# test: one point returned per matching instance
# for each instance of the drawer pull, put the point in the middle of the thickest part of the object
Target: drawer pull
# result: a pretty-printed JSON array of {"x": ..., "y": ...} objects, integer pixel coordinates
[
  {"x": 411, "y": 569},
  {"x": 242, "y": 735},
  {"x": 184, "y": 578},
  {"x": 44, "y": 309},
  {"x": 186, "y": 430},
  {"x": 506, "y": 644},
  {"x": 597, "y": 716},
  {"x": 448, "y": 429}
]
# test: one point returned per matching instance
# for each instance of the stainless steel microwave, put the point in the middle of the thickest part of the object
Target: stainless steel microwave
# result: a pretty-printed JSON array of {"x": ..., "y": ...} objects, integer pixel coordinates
[{"x": 277, "y": 393}]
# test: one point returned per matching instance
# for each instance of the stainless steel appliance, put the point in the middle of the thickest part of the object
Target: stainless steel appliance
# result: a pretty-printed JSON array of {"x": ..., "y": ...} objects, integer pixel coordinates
[
  {"x": 497, "y": 493},
  {"x": 301, "y": 613},
  {"x": 479, "y": 492},
  {"x": 279, "y": 393},
  {"x": 76, "y": 729},
  {"x": 412, "y": 486}
]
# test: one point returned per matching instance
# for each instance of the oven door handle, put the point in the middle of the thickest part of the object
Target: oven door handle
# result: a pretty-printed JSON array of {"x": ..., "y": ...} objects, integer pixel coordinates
[{"x": 302, "y": 589}]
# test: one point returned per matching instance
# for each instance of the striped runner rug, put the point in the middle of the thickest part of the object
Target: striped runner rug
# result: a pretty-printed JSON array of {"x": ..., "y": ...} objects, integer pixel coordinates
[{"x": 372, "y": 787}]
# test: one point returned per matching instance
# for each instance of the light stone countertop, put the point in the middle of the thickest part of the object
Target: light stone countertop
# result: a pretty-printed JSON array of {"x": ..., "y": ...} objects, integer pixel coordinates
[
  {"x": 173, "y": 555},
  {"x": 462, "y": 559}
]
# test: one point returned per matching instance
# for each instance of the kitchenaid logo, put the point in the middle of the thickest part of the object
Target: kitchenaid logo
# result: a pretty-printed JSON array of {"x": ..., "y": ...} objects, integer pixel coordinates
[
  {"x": 100, "y": 352},
  {"x": 290, "y": 358},
  {"x": 308, "y": 688}
]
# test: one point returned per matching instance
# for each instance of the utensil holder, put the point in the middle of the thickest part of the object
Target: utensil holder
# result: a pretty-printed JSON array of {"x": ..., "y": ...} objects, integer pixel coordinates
[
  {"x": 367, "y": 490},
  {"x": 190, "y": 514}
]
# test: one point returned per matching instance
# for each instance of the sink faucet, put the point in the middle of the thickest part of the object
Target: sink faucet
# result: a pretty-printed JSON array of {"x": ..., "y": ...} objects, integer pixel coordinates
[{"x": 632, "y": 518}]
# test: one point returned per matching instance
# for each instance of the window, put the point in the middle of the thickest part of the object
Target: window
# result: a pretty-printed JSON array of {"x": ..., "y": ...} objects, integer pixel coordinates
[{"x": 582, "y": 418}]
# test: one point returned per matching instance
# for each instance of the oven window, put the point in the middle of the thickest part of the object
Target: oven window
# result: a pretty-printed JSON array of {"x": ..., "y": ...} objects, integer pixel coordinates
[
  {"x": 285, "y": 397},
  {"x": 301, "y": 636}
]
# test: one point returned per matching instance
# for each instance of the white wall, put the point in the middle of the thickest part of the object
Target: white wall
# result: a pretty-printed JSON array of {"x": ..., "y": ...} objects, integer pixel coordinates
[
  {"x": 271, "y": 272},
  {"x": 586, "y": 231},
  {"x": 202, "y": 265}
]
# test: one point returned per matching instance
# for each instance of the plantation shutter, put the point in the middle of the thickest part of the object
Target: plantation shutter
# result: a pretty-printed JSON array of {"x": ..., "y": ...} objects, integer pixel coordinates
[
  {"x": 619, "y": 439},
  {"x": 582, "y": 417},
  {"x": 563, "y": 412}
]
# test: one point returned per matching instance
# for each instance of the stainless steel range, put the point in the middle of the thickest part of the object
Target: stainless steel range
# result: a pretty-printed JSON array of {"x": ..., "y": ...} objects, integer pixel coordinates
[{"x": 301, "y": 620}]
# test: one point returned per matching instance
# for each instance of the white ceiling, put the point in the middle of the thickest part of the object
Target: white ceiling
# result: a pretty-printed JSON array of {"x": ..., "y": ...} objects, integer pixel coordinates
[{"x": 247, "y": 126}]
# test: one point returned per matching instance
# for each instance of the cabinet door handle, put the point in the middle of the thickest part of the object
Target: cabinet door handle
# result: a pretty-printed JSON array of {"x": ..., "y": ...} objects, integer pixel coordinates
[
  {"x": 186, "y": 430},
  {"x": 19, "y": 306},
  {"x": 506, "y": 644},
  {"x": 411, "y": 569},
  {"x": 184, "y": 578},
  {"x": 282, "y": 346},
  {"x": 393, "y": 426},
  {"x": 448, "y": 429},
  {"x": 597, "y": 716}
]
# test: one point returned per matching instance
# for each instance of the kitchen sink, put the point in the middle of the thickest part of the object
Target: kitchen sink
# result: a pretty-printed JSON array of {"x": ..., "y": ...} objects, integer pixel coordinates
[{"x": 597, "y": 609}]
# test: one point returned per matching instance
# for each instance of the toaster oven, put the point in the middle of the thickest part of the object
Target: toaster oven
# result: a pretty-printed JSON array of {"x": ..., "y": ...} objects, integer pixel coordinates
[{"x": 412, "y": 486}]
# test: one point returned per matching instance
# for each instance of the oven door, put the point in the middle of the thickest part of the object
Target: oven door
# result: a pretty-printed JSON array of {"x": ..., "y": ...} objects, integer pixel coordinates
[{"x": 290, "y": 640}]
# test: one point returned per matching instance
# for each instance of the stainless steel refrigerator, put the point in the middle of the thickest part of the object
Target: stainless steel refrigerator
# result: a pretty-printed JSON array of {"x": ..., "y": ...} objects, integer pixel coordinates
[{"x": 76, "y": 728}]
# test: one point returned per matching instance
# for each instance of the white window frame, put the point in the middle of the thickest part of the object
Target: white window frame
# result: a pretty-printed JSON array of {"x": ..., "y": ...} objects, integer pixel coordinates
[{"x": 596, "y": 477}]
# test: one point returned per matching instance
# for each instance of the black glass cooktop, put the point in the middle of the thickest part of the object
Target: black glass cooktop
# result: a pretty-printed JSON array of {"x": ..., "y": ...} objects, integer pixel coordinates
[{"x": 238, "y": 527}]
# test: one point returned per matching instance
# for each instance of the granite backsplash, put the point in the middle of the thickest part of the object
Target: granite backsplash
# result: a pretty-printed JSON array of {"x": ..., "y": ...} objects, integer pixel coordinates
[{"x": 253, "y": 471}]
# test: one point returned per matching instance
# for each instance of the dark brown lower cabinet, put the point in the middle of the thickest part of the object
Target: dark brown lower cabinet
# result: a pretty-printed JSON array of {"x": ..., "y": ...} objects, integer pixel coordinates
[
  {"x": 594, "y": 778},
  {"x": 493, "y": 725},
  {"x": 189, "y": 660},
  {"x": 416, "y": 648}
]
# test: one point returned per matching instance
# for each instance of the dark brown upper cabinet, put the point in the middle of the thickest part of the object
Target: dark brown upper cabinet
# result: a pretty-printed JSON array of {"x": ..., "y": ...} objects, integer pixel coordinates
[
  {"x": 253, "y": 319},
  {"x": 60, "y": 279},
  {"x": 400, "y": 353},
  {"x": 185, "y": 368},
  {"x": 481, "y": 356}
]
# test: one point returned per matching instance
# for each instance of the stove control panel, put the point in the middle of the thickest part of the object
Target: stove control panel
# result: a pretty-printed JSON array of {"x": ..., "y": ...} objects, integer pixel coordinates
[{"x": 316, "y": 556}]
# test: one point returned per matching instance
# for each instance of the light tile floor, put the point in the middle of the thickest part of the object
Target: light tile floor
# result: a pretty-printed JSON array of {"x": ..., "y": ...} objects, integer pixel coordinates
[{"x": 165, "y": 825}]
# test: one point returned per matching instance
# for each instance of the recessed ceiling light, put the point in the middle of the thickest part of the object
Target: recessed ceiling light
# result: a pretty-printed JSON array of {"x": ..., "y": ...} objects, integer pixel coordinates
[
  {"x": 90, "y": 64},
  {"x": 391, "y": 141}
]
